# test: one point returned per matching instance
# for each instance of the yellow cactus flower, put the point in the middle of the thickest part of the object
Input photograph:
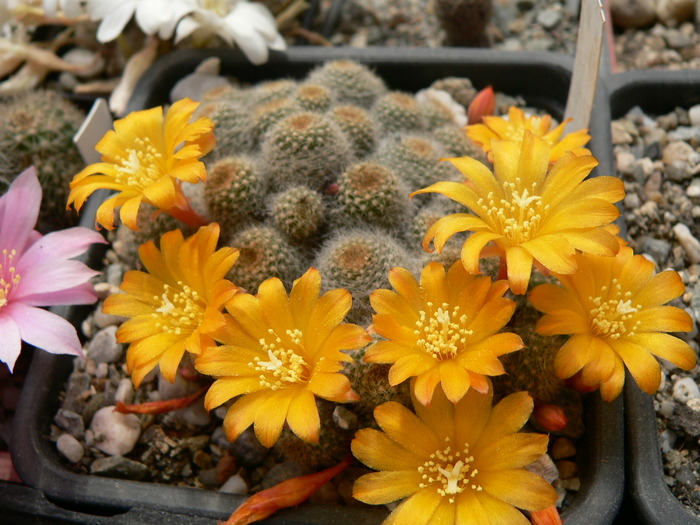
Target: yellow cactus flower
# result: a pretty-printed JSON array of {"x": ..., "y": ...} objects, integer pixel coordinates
[
  {"x": 530, "y": 213},
  {"x": 146, "y": 158},
  {"x": 279, "y": 353},
  {"x": 443, "y": 330},
  {"x": 614, "y": 307},
  {"x": 513, "y": 128},
  {"x": 453, "y": 463},
  {"x": 177, "y": 305}
]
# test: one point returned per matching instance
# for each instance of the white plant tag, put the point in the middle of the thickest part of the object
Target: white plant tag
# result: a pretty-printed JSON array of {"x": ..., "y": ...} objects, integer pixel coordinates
[
  {"x": 584, "y": 79},
  {"x": 96, "y": 124}
]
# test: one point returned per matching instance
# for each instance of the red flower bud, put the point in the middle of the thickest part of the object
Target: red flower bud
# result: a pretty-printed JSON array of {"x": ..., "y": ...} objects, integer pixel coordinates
[{"x": 550, "y": 417}]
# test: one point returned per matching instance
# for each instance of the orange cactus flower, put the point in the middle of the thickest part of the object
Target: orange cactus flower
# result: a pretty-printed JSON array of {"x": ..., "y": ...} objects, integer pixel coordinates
[
  {"x": 146, "y": 158},
  {"x": 531, "y": 213},
  {"x": 513, "y": 127},
  {"x": 177, "y": 305},
  {"x": 279, "y": 353},
  {"x": 443, "y": 330},
  {"x": 614, "y": 307},
  {"x": 453, "y": 463}
]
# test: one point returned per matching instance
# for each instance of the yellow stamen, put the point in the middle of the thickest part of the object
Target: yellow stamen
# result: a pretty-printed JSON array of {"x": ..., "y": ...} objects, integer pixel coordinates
[
  {"x": 443, "y": 334},
  {"x": 518, "y": 215},
  {"x": 141, "y": 167},
  {"x": 180, "y": 310},
  {"x": 284, "y": 365},
  {"x": 9, "y": 278},
  {"x": 452, "y": 473},
  {"x": 612, "y": 313}
]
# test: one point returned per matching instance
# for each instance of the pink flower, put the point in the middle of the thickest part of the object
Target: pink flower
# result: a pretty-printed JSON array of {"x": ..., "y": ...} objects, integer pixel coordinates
[{"x": 36, "y": 271}]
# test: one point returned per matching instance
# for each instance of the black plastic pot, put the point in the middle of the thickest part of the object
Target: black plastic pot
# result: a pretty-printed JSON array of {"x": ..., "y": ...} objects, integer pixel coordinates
[
  {"x": 656, "y": 92},
  {"x": 543, "y": 81}
]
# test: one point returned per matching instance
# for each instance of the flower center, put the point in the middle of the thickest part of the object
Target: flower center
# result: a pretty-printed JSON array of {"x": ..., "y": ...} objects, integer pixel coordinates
[
  {"x": 141, "y": 166},
  {"x": 284, "y": 365},
  {"x": 612, "y": 312},
  {"x": 443, "y": 333},
  {"x": 180, "y": 309},
  {"x": 518, "y": 215},
  {"x": 8, "y": 276},
  {"x": 450, "y": 472},
  {"x": 220, "y": 7}
]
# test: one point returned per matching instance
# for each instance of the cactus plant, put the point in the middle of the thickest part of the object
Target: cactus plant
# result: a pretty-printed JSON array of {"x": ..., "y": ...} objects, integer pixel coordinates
[
  {"x": 298, "y": 212},
  {"x": 350, "y": 82},
  {"x": 305, "y": 148},
  {"x": 37, "y": 128},
  {"x": 371, "y": 193}
]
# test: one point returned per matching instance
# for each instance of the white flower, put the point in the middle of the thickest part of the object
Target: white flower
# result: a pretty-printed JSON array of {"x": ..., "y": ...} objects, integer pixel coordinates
[
  {"x": 152, "y": 16},
  {"x": 250, "y": 25}
]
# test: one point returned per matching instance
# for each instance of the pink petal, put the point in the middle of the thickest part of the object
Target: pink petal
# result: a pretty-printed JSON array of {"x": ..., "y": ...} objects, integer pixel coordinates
[
  {"x": 81, "y": 294},
  {"x": 10, "y": 342},
  {"x": 63, "y": 244},
  {"x": 43, "y": 329},
  {"x": 20, "y": 209},
  {"x": 44, "y": 278}
]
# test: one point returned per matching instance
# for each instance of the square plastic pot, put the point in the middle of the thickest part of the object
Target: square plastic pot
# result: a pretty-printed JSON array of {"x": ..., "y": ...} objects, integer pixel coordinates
[
  {"x": 656, "y": 93},
  {"x": 542, "y": 80}
]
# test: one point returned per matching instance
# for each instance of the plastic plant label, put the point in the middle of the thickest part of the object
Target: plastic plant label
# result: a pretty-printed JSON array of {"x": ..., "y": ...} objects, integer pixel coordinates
[
  {"x": 584, "y": 79},
  {"x": 97, "y": 123}
]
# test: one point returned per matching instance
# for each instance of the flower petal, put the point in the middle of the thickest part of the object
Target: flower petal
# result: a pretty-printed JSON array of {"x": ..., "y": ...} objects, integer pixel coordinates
[
  {"x": 303, "y": 416},
  {"x": 378, "y": 488},
  {"x": 45, "y": 330},
  {"x": 20, "y": 209},
  {"x": 10, "y": 342}
]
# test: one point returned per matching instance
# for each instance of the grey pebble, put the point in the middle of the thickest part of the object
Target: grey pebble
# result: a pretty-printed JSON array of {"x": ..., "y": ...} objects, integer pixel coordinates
[
  {"x": 119, "y": 467},
  {"x": 71, "y": 422},
  {"x": 103, "y": 347},
  {"x": 70, "y": 448}
]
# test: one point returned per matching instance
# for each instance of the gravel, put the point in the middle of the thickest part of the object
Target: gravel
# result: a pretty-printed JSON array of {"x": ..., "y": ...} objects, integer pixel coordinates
[{"x": 663, "y": 221}]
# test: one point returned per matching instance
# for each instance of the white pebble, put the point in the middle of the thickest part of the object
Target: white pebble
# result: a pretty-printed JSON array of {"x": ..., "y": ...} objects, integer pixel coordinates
[
  {"x": 694, "y": 115},
  {"x": 684, "y": 389},
  {"x": 689, "y": 243},
  {"x": 234, "y": 485},
  {"x": 666, "y": 441},
  {"x": 115, "y": 433},
  {"x": 70, "y": 448},
  {"x": 666, "y": 408},
  {"x": 693, "y": 404},
  {"x": 125, "y": 391}
]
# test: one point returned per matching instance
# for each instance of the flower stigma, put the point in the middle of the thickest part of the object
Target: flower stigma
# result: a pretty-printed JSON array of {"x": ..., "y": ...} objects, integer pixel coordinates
[
  {"x": 141, "y": 167},
  {"x": 450, "y": 472},
  {"x": 611, "y": 317},
  {"x": 180, "y": 311},
  {"x": 284, "y": 365},
  {"x": 443, "y": 333},
  {"x": 519, "y": 217}
]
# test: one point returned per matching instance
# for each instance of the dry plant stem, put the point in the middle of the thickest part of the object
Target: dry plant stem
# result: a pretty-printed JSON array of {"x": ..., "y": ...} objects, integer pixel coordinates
[
  {"x": 159, "y": 407},
  {"x": 290, "y": 13},
  {"x": 286, "y": 494}
]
